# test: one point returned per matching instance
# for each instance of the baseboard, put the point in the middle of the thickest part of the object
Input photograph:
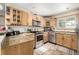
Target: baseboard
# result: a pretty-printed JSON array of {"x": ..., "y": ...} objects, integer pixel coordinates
[
  {"x": 46, "y": 42},
  {"x": 63, "y": 46}
]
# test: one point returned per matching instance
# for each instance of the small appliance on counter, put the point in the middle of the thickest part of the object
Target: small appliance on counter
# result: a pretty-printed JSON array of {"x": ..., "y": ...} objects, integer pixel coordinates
[
  {"x": 47, "y": 29},
  {"x": 12, "y": 32},
  {"x": 2, "y": 30}
]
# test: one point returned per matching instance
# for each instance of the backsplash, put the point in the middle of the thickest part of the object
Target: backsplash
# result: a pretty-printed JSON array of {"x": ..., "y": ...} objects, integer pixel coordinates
[{"x": 25, "y": 28}]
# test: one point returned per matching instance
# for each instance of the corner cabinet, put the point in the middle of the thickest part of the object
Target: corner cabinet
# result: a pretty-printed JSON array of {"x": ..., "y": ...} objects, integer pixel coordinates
[
  {"x": 68, "y": 40},
  {"x": 45, "y": 37}
]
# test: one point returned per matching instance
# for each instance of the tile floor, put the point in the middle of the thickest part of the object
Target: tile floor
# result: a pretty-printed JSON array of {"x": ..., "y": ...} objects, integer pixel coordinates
[{"x": 52, "y": 49}]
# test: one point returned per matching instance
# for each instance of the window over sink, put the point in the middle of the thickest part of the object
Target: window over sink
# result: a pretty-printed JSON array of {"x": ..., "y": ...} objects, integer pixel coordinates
[{"x": 66, "y": 22}]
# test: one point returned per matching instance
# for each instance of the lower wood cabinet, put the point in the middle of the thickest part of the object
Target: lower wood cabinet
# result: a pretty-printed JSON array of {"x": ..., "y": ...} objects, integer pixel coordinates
[
  {"x": 45, "y": 37},
  {"x": 74, "y": 41},
  {"x": 67, "y": 40},
  {"x": 59, "y": 38},
  {"x": 12, "y": 50},
  {"x": 25, "y": 48}
]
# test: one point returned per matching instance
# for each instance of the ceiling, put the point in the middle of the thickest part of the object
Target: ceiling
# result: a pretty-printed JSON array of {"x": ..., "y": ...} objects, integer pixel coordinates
[{"x": 47, "y": 9}]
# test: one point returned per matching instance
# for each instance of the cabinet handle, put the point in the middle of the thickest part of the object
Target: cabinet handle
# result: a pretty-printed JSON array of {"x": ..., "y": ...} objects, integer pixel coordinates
[
  {"x": 15, "y": 47},
  {"x": 72, "y": 40},
  {"x": 63, "y": 38}
]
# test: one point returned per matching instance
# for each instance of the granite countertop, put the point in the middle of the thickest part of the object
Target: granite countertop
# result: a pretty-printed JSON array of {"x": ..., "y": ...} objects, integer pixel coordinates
[
  {"x": 17, "y": 39},
  {"x": 2, "y": 37},
  {"x": 69, "y": 31}
]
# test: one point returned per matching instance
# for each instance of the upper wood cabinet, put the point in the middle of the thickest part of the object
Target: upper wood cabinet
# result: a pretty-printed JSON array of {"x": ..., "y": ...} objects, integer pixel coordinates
[
  {"x": 40, "y": 19},
  {"x": 53, "y": 22},
  {"x": 13, "y": 16},
  {"x": 24, "y": 19},
  {"x": 19, "y": 17},
  {"x": 50, "y": 22}
]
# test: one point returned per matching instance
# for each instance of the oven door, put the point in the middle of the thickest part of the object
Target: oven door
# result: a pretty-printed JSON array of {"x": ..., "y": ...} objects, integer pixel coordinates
[
  {"x": 39, "y": 41},
  {"x": 39, "y": 38}
]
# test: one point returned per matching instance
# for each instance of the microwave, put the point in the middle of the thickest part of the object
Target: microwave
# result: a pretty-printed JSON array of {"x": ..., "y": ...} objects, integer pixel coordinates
[{"x": 36, "y": 23}]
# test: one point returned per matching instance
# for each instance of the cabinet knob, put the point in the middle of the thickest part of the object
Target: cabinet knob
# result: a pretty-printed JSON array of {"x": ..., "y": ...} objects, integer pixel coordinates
[
  {"x": 63, "y": 38},
  {"x": 15, "y": 46}
]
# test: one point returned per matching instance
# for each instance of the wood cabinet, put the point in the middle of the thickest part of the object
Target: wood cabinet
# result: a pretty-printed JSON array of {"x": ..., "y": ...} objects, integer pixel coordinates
[
  {"x": 45, "y": 37},
  {"x": 59, "y": 38},
  {"x": 74, "y": 41},
  {"x": 12, "y": 50},
  {"x": 67, "y": 40},
  {"x": 53, "y": 22},
  {"x": 19, "y": 17},
  {"x": 13, "y": 16},
  {"x": 24, "y": 20},
  {"x": 40, "y": 19},
  {"x": 25, "y": 48}
]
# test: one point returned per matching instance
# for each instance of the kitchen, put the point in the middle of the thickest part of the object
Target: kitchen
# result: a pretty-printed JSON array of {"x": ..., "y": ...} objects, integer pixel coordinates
[{"x": 40, "y": 29}]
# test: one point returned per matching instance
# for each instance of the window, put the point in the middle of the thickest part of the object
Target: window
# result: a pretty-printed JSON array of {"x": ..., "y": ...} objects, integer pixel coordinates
[
  {"x": 71, "y": 22},
  {"x": 67, "y": 22}
]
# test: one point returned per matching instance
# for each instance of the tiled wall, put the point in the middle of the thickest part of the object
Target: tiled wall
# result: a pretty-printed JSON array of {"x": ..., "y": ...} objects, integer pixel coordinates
[{"x": 25, "y": 28}]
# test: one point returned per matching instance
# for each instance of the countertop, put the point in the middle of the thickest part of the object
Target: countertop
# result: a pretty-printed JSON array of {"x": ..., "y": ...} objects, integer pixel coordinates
[
  {"x": 66, "y": 30},
  {"x": 17, "y": 39},
  {"x": 1, "y": 39}
]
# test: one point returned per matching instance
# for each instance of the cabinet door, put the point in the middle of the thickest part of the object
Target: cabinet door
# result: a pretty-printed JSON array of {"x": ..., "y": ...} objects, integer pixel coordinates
[
  {"x": 24, "y": 20},
  {"x": 59, "y": 38},
  {"x": 45, "y": 37},
  {"x": 12, "y": 50},
  {"x": 67, "y": 41},
  {"x": 74, "y": 41},
  {"x": 26, "y": 48}
]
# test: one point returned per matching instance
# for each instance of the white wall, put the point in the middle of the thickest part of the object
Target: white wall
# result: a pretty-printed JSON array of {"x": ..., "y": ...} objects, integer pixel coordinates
[
  {"x": 24, "y": 28},
  {"x": 67, "y": 13}
]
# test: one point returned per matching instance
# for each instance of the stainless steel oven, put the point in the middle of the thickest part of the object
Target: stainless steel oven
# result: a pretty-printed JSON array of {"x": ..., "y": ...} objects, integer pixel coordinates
[{"x": 39, "y": 39}]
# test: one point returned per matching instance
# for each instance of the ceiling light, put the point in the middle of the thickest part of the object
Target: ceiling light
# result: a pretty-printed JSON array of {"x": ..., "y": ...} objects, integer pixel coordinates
[
  {"x": 1, "y": 7},
  {"x": 67, "y": 8}
]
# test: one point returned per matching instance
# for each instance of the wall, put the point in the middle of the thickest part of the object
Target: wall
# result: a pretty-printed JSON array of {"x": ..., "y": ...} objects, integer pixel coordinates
[
  {"x": 67, "y": 14},
  {"x": 25, "y": 28}
]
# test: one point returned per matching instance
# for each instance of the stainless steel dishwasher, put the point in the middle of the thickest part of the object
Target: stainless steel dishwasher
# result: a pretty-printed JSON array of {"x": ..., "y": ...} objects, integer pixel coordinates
[{"x": 52, "y": 38}]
